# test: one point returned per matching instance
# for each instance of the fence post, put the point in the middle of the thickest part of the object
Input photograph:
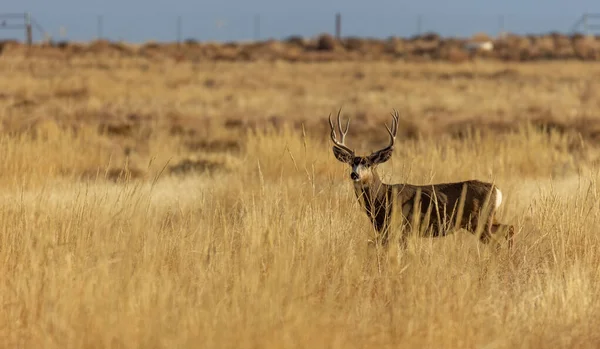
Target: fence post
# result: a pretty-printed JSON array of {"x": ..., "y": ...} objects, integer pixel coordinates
[
  {"x": 338, "y": 26},
  {"x": 100, "y": 27},
  {"x": 28, "y": 31},
  {"x": 179, "y": 25},
  {"x": 257, "y": 27}
]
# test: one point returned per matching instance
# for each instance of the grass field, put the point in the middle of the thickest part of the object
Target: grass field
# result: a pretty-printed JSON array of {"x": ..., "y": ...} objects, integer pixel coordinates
[{"x": 138, "y": 210}]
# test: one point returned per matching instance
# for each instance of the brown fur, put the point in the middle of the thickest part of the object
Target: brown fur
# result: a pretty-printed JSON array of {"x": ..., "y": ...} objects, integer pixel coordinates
[
  {"x": 432, "y": 210},
  {"x": 439, "y": 201}
]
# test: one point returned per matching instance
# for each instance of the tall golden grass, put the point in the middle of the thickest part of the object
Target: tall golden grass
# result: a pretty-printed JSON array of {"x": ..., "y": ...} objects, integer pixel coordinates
[
  {"x": 269, "y": 249},
  {"x": 275, "y": 254}
]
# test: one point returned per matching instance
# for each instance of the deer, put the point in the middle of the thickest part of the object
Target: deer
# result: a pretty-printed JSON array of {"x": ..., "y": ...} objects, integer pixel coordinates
[{"x": 432, "y": 210}]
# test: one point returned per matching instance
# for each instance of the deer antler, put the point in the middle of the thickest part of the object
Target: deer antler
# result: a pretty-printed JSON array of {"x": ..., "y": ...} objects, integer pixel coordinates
[
  {"x": 393, "y": 131},
  {"x": 340, "y": 144}
]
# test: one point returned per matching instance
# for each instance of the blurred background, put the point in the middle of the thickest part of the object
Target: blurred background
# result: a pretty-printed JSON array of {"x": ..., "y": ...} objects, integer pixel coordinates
[{"x": 139, "y": 21}]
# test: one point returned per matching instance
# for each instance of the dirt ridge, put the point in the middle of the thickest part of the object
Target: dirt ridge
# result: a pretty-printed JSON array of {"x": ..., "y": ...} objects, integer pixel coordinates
[{"x": 324, "y": 47}]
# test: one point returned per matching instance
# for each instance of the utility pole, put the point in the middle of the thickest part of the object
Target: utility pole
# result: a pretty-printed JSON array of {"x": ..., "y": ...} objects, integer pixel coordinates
[
  {"x": 28, "y": 31},
  {"x": 256, "y": 27},
  {"x": 338, "y": 26},
  {"x": 100, "y": 27},
  {"x": 179, "y": 30}
]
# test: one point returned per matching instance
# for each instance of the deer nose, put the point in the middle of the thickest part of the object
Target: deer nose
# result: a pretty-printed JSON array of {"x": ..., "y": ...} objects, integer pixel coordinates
[{"x": 354, "y": 176}]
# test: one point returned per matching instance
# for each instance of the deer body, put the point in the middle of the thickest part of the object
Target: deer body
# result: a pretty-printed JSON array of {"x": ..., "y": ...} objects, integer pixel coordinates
[{"x": 437, "y": 209}]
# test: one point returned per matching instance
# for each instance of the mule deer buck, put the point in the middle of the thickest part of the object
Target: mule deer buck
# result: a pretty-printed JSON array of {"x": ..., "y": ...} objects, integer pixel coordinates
[{"x": 433, "y": 210}]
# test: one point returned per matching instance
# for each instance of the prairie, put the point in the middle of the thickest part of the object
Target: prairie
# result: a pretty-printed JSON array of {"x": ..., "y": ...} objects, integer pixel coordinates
[{"x": 174, "y": 204}]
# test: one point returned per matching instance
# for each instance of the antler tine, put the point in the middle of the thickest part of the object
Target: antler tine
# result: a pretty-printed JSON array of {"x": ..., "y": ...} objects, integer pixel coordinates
[
  {"x": 393, "y": 131},
  {"x": 343, "y": 132},
  {"x": 395, "y": 116}
]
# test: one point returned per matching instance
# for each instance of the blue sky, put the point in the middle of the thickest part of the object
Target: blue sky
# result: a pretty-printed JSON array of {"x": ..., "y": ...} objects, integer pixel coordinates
[{"x": 138, "y": 21}]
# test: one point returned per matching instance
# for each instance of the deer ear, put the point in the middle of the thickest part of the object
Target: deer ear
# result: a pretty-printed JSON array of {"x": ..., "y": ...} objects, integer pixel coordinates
[
  {"x": 381, "y": 156},
  {"x": 343, "y": 155}
]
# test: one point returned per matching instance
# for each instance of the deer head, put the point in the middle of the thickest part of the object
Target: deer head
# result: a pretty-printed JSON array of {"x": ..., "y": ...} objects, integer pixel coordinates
[{"x": 362, "y": 166}]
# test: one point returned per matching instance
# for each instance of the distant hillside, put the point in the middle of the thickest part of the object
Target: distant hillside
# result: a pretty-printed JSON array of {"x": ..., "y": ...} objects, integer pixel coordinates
[{"x": 426, "y": 47}]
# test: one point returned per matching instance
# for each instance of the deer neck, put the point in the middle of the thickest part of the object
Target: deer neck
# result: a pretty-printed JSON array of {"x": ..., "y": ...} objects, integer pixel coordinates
[
  {"x": 372, "y": 197},
  {"x": 372, "y": 189}
]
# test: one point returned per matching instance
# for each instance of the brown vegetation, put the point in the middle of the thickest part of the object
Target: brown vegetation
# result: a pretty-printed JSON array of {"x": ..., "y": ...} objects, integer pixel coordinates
[
  {"x": 427, "y": 47},
  {"x": 154, "y": 202}
]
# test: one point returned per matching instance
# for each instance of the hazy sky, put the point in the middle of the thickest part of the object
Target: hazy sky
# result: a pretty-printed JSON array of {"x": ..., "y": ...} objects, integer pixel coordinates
[{"x": 142, "y": 20}]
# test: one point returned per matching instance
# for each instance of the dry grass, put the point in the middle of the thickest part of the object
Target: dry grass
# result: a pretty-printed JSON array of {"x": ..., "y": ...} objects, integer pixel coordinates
[
  {"x": 423, "y": 48},
  {"x": 268, "y": 248}
]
